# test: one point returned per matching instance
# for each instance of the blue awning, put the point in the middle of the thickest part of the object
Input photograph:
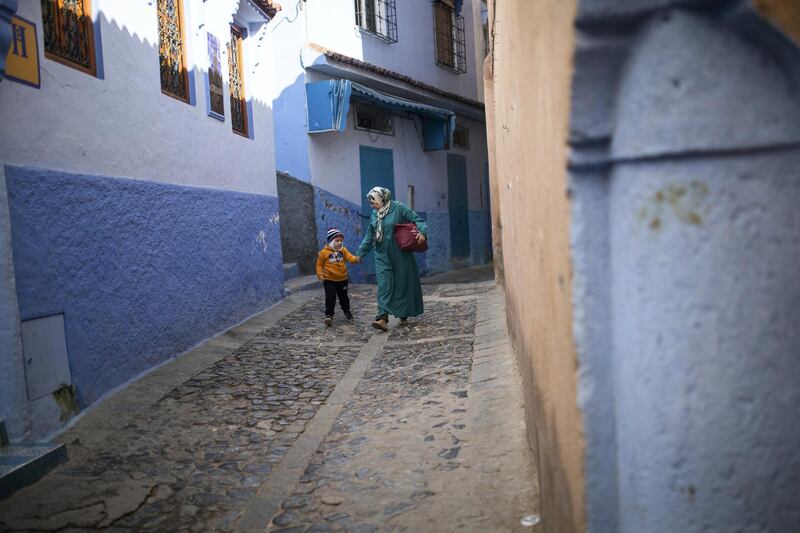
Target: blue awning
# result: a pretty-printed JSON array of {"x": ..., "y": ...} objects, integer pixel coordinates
[{"x": 328, "y": 102}]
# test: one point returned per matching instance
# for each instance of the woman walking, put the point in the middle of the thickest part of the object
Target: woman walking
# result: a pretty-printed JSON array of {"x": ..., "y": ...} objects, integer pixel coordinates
[{"x": 399, "y": 289}]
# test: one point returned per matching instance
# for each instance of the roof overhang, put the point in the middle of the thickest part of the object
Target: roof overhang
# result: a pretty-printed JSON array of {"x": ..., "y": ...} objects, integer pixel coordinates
[{"x": 317, "y": 61}]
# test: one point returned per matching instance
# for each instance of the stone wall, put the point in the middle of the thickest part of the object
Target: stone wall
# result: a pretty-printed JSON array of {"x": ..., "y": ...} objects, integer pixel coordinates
[{"x": 298, "y": 223}]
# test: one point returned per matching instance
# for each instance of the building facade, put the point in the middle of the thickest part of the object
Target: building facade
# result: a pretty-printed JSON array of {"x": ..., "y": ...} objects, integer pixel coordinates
[
  {"x": 650, "y": 255},
  {"x": 378, "y": 92},
  {"x": 138, "y": 199}
]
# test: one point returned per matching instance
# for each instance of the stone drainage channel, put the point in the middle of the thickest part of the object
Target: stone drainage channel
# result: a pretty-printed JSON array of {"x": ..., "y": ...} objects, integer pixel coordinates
[{"x": 282, "y": 424}]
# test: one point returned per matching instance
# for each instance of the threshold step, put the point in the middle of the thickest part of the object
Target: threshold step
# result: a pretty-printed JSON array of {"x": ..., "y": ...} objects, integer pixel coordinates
[{"x": 26, "y": 463}]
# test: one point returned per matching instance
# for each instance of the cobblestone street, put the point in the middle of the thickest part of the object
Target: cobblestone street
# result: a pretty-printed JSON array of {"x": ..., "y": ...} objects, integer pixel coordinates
[{"x": 282, "y": 424}]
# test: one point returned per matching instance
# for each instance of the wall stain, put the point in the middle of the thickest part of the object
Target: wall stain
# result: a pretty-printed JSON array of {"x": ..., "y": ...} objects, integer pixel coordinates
[
  {"x": 333, "y": 207},
  {"x": 67, "y": 399},
  {"x": 684, "y": 201}
]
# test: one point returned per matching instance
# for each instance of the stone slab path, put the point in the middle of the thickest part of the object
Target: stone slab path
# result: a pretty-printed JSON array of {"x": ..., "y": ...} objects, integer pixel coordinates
[{"x": 281, "y": 424}]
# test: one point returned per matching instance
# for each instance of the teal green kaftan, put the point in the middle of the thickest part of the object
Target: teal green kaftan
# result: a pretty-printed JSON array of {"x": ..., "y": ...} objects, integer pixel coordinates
[{"x": 399, "y": 289}]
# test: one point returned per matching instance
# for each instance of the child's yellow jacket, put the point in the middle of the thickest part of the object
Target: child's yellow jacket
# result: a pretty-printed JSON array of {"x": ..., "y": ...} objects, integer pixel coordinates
[{"x": 331, "y": 264}]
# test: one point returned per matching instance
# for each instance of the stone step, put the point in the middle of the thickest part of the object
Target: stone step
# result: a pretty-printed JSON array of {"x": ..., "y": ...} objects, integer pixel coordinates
[
  {"x": 290, "y": 270},
  {"x": 301, "y": 283},
  {"x": 24, "y": 464}
]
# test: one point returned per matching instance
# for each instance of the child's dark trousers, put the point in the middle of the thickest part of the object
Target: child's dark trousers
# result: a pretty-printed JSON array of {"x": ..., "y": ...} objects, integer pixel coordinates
[{"x": 332, "y": 290}]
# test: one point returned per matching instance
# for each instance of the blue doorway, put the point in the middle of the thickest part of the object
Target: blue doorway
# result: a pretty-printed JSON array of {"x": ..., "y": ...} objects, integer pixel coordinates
[
  {"x": 458, "y": 205},
  {"x": 377, "y": 170}
]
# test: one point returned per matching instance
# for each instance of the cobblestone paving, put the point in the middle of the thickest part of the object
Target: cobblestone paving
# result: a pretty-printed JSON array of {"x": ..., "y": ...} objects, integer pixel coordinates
[
  {"x": 404, "y": 422},
  {"x": 194, "y": 459},
  {"x": 305, "y": 324},
  {"x": 197, "y": 459}
]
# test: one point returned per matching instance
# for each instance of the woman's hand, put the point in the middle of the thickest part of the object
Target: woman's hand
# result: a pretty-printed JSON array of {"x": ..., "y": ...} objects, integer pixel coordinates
[{"x": 421, "y": 238}]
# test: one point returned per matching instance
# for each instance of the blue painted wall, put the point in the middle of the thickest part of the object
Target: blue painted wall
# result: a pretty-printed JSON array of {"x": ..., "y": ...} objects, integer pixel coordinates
[
  {"x": 438, "y": 254},
  {"x": 334, "y": 211},
  {"x": 142, "y": 271},
  {"x": 291, "y": 136},
  {"x": 480, "y": 236}
]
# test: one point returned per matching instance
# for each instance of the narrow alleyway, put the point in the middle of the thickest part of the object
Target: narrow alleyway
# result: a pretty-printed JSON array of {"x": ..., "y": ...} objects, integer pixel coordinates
[{"x": 285, "y": 425}]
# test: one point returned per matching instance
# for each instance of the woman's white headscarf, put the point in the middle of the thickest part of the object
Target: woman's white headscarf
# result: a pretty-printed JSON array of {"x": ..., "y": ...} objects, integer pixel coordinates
[{"x": 382, "y": 196}]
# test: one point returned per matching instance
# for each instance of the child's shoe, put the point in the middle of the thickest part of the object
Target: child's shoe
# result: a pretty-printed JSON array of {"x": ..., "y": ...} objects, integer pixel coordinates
[
  {"x": 328, "y": 321},
  {"x": 348, "y": 315}
]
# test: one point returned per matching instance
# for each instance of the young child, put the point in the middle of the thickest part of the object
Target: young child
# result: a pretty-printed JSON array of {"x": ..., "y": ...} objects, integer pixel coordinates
[{"x": 332, "y": 271}]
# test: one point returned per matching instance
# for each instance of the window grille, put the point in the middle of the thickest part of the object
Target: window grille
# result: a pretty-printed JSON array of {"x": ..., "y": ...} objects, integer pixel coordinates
[
  {"x": 69, "y": 33},
  {"x": 374, "y": 119},
  {"x": 171, "y": 49},
  {"x": 448, "y": 28},
  {"x": 378, "y": 17},
  {"x": 461, "y": 137},
  {"x": 236, "y": 83}
]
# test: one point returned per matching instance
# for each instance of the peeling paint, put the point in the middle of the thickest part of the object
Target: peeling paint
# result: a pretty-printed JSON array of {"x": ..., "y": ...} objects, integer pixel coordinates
[
  {"x": 275, "y": 218},
  {"x": 262, "y": 240}
]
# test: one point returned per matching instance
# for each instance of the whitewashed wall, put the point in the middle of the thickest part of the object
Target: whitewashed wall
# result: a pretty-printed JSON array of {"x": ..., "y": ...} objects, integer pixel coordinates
[
  {"x": 108, "y": 126},
  {"x": 331, "y": 23},
  {"x": 335, "y": 164}
]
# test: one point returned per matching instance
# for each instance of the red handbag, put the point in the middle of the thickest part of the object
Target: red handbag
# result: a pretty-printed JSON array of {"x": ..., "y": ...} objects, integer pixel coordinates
[{"x": 405, "y": 235}]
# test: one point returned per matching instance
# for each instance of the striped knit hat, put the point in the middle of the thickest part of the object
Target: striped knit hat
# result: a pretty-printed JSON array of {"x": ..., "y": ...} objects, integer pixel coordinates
[{"x": 333, "y": 233}]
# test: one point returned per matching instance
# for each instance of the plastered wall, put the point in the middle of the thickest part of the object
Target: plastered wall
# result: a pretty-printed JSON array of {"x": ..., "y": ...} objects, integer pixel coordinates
[
  {"x": 120, "y": 124},
  {"x": 532, "y": 76}
]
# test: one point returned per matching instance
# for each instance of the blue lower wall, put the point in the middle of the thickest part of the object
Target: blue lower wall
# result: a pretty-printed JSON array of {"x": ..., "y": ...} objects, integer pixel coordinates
[
  {"x": 438, "y": 254},
  {"x": 480, "y": 237},
  {"x": 142, "y": 271},
  {"x": 333, "y": 211}
]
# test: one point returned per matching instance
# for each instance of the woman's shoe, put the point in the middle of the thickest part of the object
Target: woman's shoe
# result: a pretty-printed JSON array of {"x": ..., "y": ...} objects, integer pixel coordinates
[
  {"x": 381, "y": 324},
  {"x": 403, "y": 321}
]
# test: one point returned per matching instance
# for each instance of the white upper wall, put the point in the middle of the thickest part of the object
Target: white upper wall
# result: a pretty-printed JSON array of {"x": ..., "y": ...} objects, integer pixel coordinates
[
  {"x": 335, "y": 163},
  {"x": 331, "y": 24},
  {"x": 123, "y": 125}
]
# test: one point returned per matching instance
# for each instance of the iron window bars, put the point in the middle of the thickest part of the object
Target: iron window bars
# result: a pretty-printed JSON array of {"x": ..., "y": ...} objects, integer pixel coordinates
[
  {"x": 374, "y": 119},
  {"x": 69, "y": 33},
  {"x": 236, "y": 83},
  {"x": 378, "y": 17},
  {"x": 171, "y": 49},
  {"x": 448, "y": 29}
]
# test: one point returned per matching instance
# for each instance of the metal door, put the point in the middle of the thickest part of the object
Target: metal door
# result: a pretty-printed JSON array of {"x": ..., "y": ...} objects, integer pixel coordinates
[{"x": 377, "y": 170}]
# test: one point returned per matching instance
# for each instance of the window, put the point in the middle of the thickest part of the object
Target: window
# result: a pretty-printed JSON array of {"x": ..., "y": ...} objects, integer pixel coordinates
[
  {"x": 236, "y": 83},
  {"x": 378, "y": 17},
  {"x": 172, "y": 50},
  {"x": 374, "y": 119},
  {"x": 448, "y": 29},
  {"x": 69, "y": 33},
  {"x": 461, "y": 137}
]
